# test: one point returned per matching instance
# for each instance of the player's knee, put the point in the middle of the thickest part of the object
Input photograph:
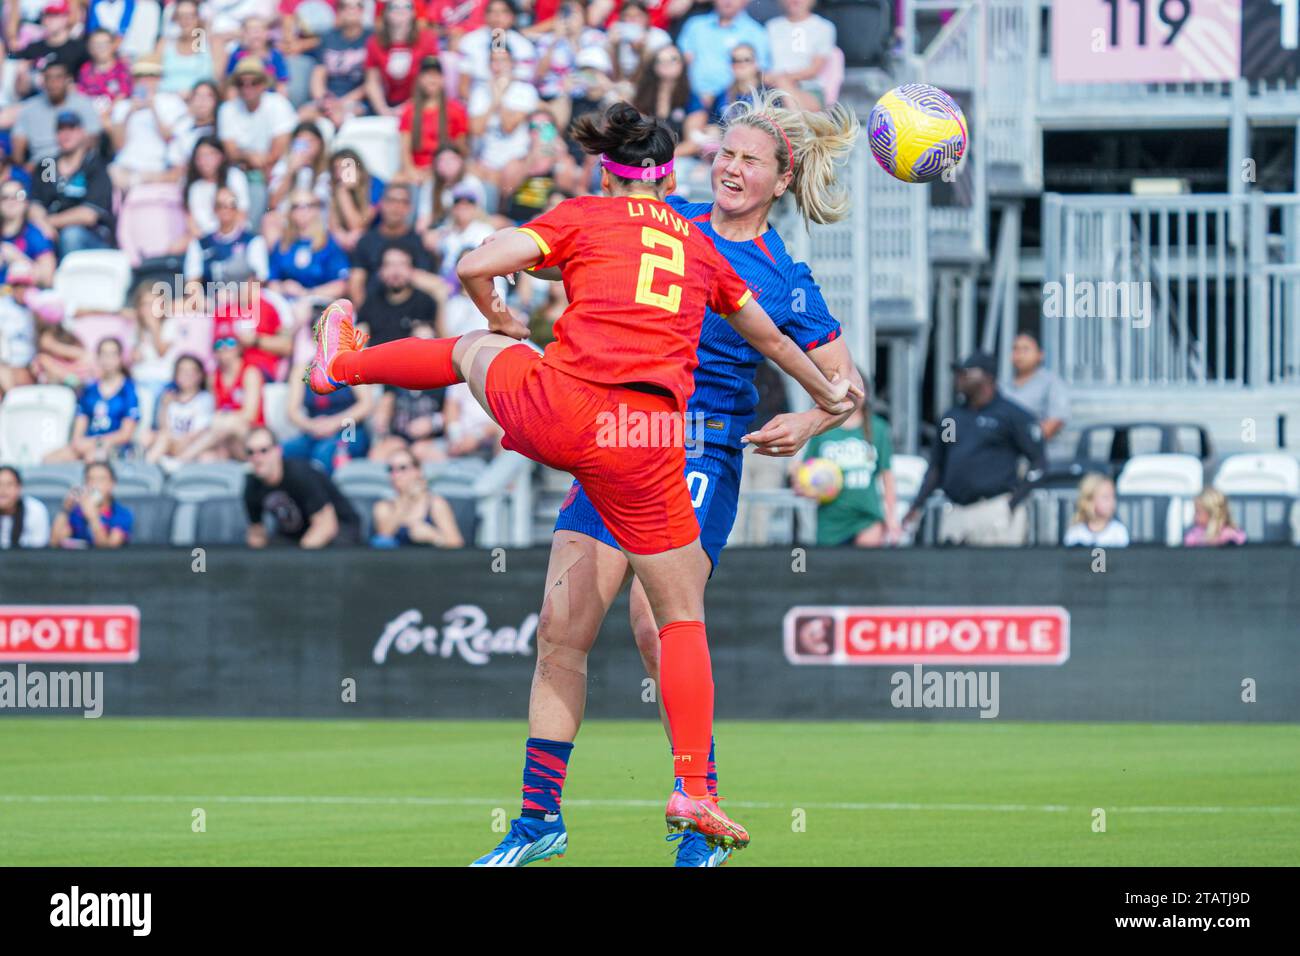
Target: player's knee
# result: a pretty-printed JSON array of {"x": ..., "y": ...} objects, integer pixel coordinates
[{"x": 646, "y": 635}]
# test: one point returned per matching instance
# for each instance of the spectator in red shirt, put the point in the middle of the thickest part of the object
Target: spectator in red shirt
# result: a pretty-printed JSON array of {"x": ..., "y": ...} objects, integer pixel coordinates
[
  {"x": 263, "y": 337},
  {"x": 398, "y": 44},
  {"x": 105, "y": 77},
  {"x": 455, "y": 18},
  {"x": 424, "y": 131}
]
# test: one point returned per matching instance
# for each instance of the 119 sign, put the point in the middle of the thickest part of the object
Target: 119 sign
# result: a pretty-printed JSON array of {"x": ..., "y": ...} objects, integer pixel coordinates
[
  {"x": 1172, "y": 13},
  {"x": 1146, "y": 41}
]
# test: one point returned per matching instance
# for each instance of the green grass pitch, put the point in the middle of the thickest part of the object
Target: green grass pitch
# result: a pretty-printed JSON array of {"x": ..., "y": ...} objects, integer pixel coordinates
[{"x": 419, "y": 793}]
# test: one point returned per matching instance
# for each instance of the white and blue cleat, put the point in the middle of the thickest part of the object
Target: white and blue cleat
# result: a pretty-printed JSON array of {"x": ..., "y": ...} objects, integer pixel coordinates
[
  {"x": 694, "y": 850},
  {"x": 530, "y": 840}
]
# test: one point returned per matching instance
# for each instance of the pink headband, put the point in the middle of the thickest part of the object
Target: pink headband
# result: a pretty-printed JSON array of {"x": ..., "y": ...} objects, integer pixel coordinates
[
  {"x": 788, "y": 150},
  {"x": 646, "y": 173}
]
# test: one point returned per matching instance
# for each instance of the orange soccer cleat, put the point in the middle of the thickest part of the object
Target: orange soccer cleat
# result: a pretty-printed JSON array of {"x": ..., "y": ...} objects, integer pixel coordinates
[
  {"x": 335, "y": 333},
  {"x": 705, "y": 817}
]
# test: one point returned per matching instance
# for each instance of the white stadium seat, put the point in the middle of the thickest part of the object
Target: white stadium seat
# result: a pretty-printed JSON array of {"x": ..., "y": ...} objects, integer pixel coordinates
[
  {"x": 275, "y": 409},
  {"x": 1162, "y": 475},
  {"x": 376, "y": 140},
  {"x": 361, "y": 477},
  {"x": 35, "y": 420},
  {"x": 909, "y": 472},
  {"x": 95, "y": 279},
  {"x": 1259, "y": 474}
]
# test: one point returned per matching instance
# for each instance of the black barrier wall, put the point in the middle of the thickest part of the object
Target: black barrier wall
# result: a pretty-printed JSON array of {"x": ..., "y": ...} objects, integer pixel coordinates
[{"x": 1160, "y": 635}]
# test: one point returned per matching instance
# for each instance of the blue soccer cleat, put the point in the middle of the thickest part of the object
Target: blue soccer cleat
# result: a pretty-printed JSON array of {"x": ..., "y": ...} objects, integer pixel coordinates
[
  {"x": 529, "y": 841},
  {"x": 694, "y": 850}
]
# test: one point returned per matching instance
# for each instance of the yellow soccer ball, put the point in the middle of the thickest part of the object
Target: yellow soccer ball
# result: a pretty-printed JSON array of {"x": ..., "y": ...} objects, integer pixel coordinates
[
  {"x": 819, "y": 478},
  {"x": 916, "y": 132}
]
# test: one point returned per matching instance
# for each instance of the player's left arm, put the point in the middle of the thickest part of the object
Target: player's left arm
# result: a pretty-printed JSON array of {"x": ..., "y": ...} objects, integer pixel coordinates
[
  {"x": 786, "y": 433},
  {"x": 807, "y": 318}
]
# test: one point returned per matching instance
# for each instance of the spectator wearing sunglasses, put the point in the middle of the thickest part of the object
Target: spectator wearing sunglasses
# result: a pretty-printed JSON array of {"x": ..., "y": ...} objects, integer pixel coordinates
[
  {"x": 237, "y": 386},
  {"x": 307, "y": 507},
  {"x": 746, "y": 82},
  {"x": 255, "y": 43},
  {"x": 416, "y": 515},
  {"x": 707, "y": 40}
]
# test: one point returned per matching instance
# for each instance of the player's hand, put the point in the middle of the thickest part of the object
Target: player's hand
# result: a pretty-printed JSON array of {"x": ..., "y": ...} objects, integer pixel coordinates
[
  {"x": 842, "y": 396},
  {"x": 510, "y": 323},
  {"x": 782, "y": 437}
]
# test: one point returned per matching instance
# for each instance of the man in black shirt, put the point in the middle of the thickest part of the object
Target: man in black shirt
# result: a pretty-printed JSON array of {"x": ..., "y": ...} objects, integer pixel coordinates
[
  {"x": 76, "y": 201},
  {"x": 391, "y": 311},
  {"x": 59, "y": 43},
  {"x": 977, "y": 461},
  {"x": 308, "y": 508},
  {"x": 393, "y": 228}
]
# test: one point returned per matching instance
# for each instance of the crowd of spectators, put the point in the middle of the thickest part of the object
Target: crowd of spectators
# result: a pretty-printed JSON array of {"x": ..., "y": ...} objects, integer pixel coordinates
[{"x": 199, "y": 139}]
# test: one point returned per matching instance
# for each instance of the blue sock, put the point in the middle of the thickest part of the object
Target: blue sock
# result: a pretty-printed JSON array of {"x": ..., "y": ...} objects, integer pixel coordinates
[{"x": 545, "y": 764}]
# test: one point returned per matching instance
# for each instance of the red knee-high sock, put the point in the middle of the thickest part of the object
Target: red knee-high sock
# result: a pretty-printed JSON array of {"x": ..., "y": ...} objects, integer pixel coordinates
[
  {"x": 686, "y": 682},
  {"x": 407, "y": 363}
]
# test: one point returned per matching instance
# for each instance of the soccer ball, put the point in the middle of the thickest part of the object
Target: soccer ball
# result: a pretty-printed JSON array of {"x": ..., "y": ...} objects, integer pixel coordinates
[
  {"x": 916, "y": 132},
  {"x": 819, "y": 478}
]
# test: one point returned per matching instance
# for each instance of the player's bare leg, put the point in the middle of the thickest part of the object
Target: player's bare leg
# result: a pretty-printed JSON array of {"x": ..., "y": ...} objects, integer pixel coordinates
[{"x": 583, "y": 578}]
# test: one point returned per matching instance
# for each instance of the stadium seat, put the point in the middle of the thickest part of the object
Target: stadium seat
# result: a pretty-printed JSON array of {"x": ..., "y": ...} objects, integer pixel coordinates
[
  {"x": 459, "y": 471},
  {"x": 1162, "y": 474},
  {"x": 93, "y": 329},
  {"x": 35, "y": 420},
  {"x": 51, "y": 481},
  {"x": 151, "y": 519},
  {"x": 138, "y": 479},
  {"x": 377, "y": 142},
  {"x": 220, "y": 521},
  {"x": 909, "y": 473},
  {"x": 863, "y": 29},
  {"x": 275, "y": 407},
  {"x": 831, "y": 77},
  {"x": 151, "y": 221},
  {"x": 194, "y": 337},
  {"x": 464, "y": 506},
  {"x": 1259, "y": 474},
  {"x": 142, "y": 35},
  {"x": 199, "y": 482},
  {"x": 93, "y": 279},
  {"x": 1148, "y": 518},
  {"x": 1266, "y": 518},
  {"x": 364, "y": 505},
  {"x": 360, "y": 477}
]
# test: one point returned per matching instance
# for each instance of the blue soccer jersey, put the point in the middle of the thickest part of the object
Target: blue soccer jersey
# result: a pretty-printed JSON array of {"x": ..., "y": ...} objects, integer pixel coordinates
[{"x": 725, "y": 397}]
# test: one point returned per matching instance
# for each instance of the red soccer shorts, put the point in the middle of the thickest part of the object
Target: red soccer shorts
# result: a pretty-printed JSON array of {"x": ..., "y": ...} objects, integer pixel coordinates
[{"x": 614, "y": 440}]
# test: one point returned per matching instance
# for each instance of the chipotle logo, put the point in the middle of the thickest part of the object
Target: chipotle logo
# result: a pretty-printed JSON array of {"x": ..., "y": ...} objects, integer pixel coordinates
[
  {"x": 103, "y": 634},
  {"x": 927, "y": 635}
]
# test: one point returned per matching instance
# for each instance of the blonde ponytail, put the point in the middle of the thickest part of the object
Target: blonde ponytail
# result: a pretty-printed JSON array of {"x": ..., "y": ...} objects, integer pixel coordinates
[{"x": 814, "y": 142}]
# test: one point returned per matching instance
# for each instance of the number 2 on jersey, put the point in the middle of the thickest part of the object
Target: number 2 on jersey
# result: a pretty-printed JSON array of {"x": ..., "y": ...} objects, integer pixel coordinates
[{"x": 674, "y": 263}]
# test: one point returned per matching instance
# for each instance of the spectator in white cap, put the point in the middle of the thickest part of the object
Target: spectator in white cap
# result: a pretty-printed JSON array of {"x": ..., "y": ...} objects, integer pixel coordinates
[
  {"x": 255, "y": 127},
  {"x": 142, "y": 128}
]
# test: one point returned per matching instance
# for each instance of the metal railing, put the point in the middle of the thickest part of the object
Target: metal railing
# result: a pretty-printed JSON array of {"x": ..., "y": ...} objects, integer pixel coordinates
[{"x": 1200, "y": 289}]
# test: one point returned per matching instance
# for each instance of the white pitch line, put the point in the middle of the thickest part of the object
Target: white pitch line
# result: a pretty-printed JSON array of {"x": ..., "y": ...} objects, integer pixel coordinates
[{"x": 490, "y": 802}]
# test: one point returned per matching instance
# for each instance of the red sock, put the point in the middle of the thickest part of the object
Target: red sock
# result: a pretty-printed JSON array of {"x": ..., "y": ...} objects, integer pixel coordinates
[
  {"x": 686, "y": 682},
  {"x": 407, "y": 363}
]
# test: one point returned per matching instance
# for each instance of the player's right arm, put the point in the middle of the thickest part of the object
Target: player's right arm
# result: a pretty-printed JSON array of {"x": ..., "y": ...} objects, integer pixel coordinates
[
  {"x": 837, "y": 397},
  {"x": 505, "y": 255}
]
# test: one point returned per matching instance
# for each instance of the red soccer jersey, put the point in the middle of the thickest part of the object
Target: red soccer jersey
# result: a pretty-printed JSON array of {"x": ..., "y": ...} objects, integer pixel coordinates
[{"x": 638, "y": 277}]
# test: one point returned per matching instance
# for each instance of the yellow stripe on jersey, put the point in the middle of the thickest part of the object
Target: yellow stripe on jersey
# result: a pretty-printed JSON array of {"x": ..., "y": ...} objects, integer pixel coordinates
[{"x": 541, "y": 243}]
